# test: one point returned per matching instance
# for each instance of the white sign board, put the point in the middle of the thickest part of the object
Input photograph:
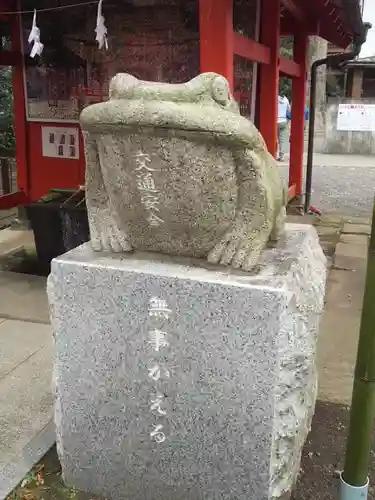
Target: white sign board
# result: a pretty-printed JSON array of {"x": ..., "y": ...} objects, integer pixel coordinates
[
  {"x": 60, "y": 142},
  {"x": 356, "y": 117}
]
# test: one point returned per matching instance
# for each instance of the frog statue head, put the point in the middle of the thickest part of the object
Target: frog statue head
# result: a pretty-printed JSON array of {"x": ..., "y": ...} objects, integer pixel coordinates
[{"x": 175, "y": 168}]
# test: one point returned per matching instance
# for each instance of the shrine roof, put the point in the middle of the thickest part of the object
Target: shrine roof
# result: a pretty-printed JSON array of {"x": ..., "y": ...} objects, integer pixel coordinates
[{"x": 337, "y": 21}]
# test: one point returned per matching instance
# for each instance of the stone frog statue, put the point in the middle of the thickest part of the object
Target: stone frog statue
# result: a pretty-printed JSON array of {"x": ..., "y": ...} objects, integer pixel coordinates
[{"x": 174, "y": 168}]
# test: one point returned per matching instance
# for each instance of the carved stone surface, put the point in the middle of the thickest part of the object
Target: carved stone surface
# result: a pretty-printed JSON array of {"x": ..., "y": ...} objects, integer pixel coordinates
[
  {"x": 176, "y": 169},
  {"x": 176, "y": 379}
]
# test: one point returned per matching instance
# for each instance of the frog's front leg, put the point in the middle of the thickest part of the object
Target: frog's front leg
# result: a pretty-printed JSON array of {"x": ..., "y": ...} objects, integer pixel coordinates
[
  {"x": 243, "y": 243},
  {"x": 104, "y": 229}
]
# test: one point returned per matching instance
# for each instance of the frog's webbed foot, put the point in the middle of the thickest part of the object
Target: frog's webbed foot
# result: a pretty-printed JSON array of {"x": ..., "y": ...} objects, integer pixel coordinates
[
  {"x": 107, "y": 236},
  {"x": 240, "y": 247},
  {"x": 279, "y": 226}
]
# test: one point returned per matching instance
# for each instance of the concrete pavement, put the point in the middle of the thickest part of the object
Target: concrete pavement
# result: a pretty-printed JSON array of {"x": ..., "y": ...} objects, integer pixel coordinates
[
  {"x": 26, "y": 427},
  {"x": 324, "y": 451},
  {"x": 23, "y": 297},
  {"x": 339, "y": 331}
]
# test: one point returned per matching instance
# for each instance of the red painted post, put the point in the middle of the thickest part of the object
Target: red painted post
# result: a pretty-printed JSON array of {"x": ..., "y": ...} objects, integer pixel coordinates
[
  {"x": 216, "y": 37},
  {"x": 269, "y": 73},
  {"x": 297, "y": 137},
  {"x": 20, "y": 123}
]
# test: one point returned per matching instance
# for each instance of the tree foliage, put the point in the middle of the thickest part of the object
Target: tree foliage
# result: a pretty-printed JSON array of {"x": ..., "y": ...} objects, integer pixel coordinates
[
  {"x": 286, "y": 50},
  {"x": 7, "y": 137}
]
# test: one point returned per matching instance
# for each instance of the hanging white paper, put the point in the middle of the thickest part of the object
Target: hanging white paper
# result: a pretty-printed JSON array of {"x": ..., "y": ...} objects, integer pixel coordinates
[
  {"x": 37, "y": 49},
  {"x": 35, "y": 31},
  {"x": 101, "y": 29},
  {"x": 34, "y": 38}
]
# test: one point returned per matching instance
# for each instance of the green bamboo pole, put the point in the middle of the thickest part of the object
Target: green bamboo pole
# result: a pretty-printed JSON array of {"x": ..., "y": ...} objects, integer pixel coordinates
[{"x": 363, "y": 400}]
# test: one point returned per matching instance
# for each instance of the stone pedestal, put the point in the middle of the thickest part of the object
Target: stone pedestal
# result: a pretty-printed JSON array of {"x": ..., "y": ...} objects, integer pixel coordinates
[{"x": 176, "y": 380}]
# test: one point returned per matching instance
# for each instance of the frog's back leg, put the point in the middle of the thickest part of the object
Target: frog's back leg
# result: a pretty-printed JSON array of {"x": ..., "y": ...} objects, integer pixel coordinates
[
  {"x": 279, "y": 224},
  {"x": 244, "y": 241}
]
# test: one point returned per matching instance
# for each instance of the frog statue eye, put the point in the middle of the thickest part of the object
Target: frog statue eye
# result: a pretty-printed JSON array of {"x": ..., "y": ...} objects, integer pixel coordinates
[
  {"x": 121, "y": 85},
  {"x": 220, "y": 90}
]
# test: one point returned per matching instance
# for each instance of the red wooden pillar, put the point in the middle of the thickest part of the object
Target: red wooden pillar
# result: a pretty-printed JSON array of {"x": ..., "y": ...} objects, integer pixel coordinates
[
  {"x": 297, "y": 137},
  {"x": 216, "y": 37},
  {"x": 20, "y": 123},
  {"x": 269, "y": 73}
]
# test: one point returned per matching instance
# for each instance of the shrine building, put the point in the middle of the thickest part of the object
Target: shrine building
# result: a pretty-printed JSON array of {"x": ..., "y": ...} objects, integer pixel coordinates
[{"x": 161, "y": 40}]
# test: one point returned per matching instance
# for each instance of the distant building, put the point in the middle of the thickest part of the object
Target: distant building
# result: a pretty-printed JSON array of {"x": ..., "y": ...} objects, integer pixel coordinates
[
  {"x": 360, "y": 78},
  {"x": 356, "y": 79}
]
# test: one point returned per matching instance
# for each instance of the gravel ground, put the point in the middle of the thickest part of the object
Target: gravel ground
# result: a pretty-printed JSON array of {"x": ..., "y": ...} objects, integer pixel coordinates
[
  {"x": 342, "y": 190},
  {"x": 324, "y": 454}
]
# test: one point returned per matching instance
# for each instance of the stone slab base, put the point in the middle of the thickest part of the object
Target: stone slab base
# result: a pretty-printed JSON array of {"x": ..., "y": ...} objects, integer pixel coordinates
[{"x": 178, "y": 380}]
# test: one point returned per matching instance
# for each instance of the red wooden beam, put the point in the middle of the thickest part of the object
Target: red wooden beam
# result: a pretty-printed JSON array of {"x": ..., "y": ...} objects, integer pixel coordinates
[
  {"x": 288, "y": 26},
  {"x": 269, "y": 73},
  {"x": 19, "y": 106},
  {"x": 250, "y": 49},
  {"x": 8, "y": 201},
  {"x": 216, "y": 37},
  {"x": 10, "y": 58},
  {"x": 297, "y": 136},
  {"x": 294, "y": 9},
  {"x": 289, "y": 67},
  {"x": 6, "y": 6}
]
